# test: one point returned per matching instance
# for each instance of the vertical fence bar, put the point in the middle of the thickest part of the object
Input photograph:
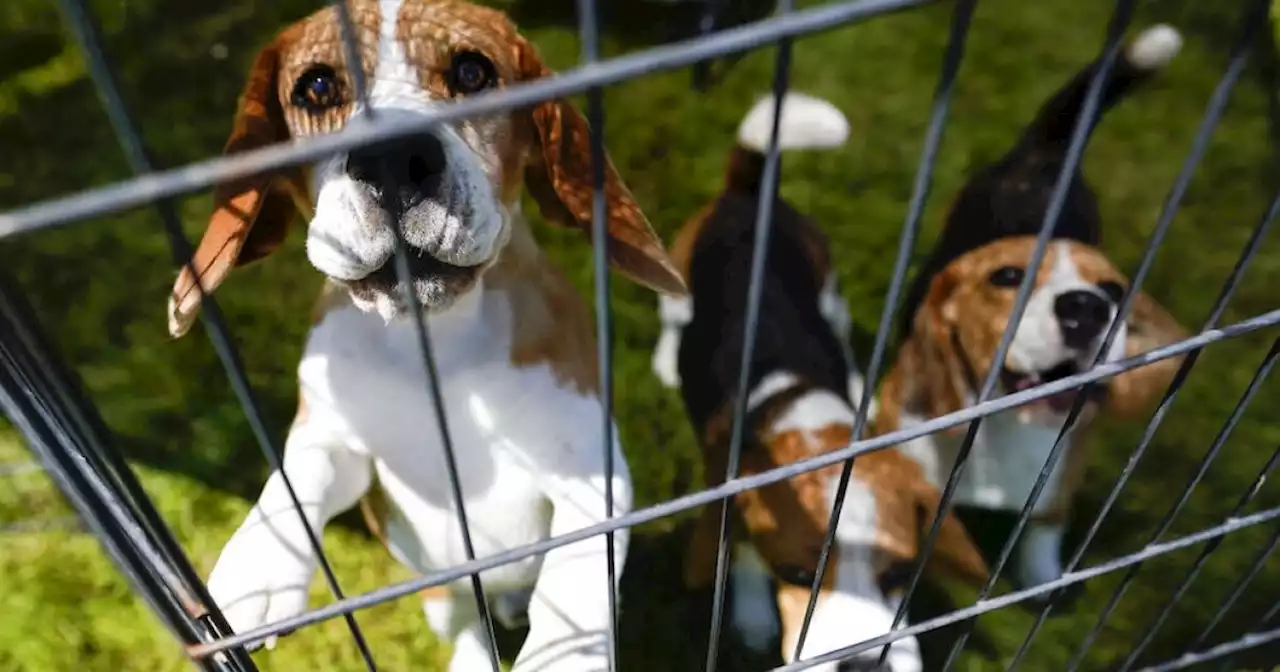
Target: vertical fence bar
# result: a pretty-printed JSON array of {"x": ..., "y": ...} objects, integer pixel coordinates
[
  {"x": 1213, "y": 113},
  {"x": 589, "y": 35},
  {"x": 82, "y": 24},
  {"x": 770, "y": 177},
  {"x": 142, "y": 553},
  {"x": 74, "y": 411},
  {"x": 1247, "y": 254},
  {"x": 1240, "y": 587},
  {"x": 1206, "y": 553},
  {"x": 356, "y": 71},
  {"x": 954, "y": 54},
  {"x": 1263, "y": 622},
  {"x": 422, "y": 335},
  {"x": 1219, "y": 441},
  {"x": 1080, "y": 134},
  {"x": 90, "y": 485}
]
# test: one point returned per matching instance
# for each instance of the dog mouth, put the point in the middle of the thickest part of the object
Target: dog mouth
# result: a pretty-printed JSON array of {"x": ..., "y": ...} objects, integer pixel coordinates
[
  {"x": 423, "y": 268},
  {"x": 1017, "y": 381}
]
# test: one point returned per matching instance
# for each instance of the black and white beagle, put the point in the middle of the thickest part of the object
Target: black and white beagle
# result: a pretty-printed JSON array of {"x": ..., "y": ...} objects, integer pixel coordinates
[
  {"x": 513, "y": 339},
  {"x": 800, "y": 405},
  {"x": 960, "y": 302}
]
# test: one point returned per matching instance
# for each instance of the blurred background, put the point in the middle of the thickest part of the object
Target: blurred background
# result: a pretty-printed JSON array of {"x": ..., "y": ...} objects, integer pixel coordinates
[{"x": 100, "y": 288}]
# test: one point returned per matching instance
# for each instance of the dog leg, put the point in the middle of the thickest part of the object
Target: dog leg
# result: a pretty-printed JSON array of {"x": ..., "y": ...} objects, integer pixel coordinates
[
  {"x": 674, "y": 314},
  {"x": 1040, "y": 553},
  {"x": 569, "y": 613},
  {"x": 452, "y": 615},
  {"x": 263, "y": 572},
  {"x": 754, "y": 614}
]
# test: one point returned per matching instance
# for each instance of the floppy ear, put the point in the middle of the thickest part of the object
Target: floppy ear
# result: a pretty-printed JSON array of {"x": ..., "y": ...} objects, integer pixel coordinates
[
  {"x": 1150, "y": 326},
  {"x": 954, "y": 553},
  {"x": 930, "y": 368},
  {"x": 906, "y": 505},
  {"x": 559, "y": 177},
  {"x": 251, "y": 215}
]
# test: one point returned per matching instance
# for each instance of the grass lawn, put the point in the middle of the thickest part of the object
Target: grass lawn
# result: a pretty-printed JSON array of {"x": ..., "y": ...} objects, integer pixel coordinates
[{"x": 100, "y": 288}]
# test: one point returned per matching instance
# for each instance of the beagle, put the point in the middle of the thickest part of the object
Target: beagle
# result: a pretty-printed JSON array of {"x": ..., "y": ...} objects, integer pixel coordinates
[
  {"x": 513, "y": 340},
  {"x": 960, "y": 303},
  {"x": 799, "y": 405}
]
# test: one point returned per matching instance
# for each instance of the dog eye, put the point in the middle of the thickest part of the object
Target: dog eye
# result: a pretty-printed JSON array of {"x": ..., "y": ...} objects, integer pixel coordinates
[
  {"x": 1113, "y": 290},
  {"x": 471, "y": 72},
  {"x": 1007, "y": 276},
  {"x": 317, "y": 90}
]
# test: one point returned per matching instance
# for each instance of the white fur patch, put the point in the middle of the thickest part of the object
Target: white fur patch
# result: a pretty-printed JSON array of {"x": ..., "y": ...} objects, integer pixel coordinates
[
  {"x": 807, "y": 123},
  {"x": 529, "y": 468},
  {"x": 772, "y": 383},
  {"x": 674, "y": 313},
  {"x": 1154, "y": 47},
  {"x": 816, "y": 410},
  {"x": 1038, "y": 344}
]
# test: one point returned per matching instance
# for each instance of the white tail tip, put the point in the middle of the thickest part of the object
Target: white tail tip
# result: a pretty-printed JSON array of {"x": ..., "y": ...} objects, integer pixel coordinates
[
  {"x": 1154, "y": 47},
  {"x": 807, "y": 123}
]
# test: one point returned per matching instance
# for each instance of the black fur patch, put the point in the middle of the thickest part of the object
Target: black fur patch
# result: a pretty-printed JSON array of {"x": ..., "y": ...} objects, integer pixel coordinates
[{"x": 792, "y": 335}]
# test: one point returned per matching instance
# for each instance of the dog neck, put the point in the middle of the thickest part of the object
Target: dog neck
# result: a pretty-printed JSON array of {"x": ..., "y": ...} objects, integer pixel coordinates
[{"x": 1009, "y": 449}]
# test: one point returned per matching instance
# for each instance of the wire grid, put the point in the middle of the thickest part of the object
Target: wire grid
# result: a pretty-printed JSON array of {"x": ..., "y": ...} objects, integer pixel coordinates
[{"x": 48, "y": 405}]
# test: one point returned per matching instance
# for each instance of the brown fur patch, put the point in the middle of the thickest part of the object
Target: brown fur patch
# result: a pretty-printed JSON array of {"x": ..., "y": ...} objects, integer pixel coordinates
[
  {"x": 550, "y": 322},
  {"x": 792, "y": 602},
  {"x": 683, "y": 244},
  {"x": 374, "y": 508},
  {"x": 787, "y": 521}
]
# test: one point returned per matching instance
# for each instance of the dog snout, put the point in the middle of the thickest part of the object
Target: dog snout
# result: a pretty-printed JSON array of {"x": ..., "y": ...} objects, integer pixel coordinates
[
  {"x": 406, "y": 171},
  {"x": 1082, "y": 315}
]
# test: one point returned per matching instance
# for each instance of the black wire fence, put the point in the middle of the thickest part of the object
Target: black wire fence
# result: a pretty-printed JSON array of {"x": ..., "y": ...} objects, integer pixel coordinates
[{"x": 45, "y": 400}]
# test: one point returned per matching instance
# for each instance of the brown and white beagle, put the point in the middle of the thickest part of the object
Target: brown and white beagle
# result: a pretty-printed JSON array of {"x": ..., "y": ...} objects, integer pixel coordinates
[
  {"x": 799, "y": 406},
  {"x": 961, "y": 302},
  {"x": 512, "y": 338}
]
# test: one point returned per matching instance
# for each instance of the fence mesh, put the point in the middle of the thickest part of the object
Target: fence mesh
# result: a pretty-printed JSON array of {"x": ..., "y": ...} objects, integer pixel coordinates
[{"x": 47, "y": 403}]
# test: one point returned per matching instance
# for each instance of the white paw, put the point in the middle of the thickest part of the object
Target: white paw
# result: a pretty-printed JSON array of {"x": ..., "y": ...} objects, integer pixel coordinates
[
  {"x": 257, "y": 581},
  {"x": 666, "y": 354}
]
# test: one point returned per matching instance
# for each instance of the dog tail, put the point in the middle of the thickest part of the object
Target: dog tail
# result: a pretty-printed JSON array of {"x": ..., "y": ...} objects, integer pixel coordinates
[
  {"x": 1150, "y": 51},
  {"x": 806, "y": 123}
]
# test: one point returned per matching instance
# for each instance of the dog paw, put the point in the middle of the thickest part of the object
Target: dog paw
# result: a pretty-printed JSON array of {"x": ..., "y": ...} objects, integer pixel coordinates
[{"x": 255, "y": 585}]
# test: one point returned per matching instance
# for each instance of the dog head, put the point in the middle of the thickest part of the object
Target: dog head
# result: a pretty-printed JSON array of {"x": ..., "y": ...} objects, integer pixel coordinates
[
  {"x": 1073, "y": 302},
  {"x": 453, "y": 190}
]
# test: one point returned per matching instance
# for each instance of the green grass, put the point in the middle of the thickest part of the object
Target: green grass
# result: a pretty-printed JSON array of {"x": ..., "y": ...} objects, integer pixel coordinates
[{"x": 100, "y": 288}]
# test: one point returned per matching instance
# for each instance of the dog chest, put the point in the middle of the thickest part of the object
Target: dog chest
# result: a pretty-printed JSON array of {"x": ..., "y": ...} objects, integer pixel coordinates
[
  {"x": 1004, "y": 463},
  {"x": 514, "y": 430}
]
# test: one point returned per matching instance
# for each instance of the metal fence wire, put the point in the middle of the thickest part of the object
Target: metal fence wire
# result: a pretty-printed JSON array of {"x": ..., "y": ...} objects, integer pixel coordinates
[{"x": 45, "y": 400}]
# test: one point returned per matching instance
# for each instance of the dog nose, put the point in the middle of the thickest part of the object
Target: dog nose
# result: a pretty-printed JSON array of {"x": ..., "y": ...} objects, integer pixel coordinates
[
  {"x": 1081, "y": 315},
  {"x": 407, "y": 170}
]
